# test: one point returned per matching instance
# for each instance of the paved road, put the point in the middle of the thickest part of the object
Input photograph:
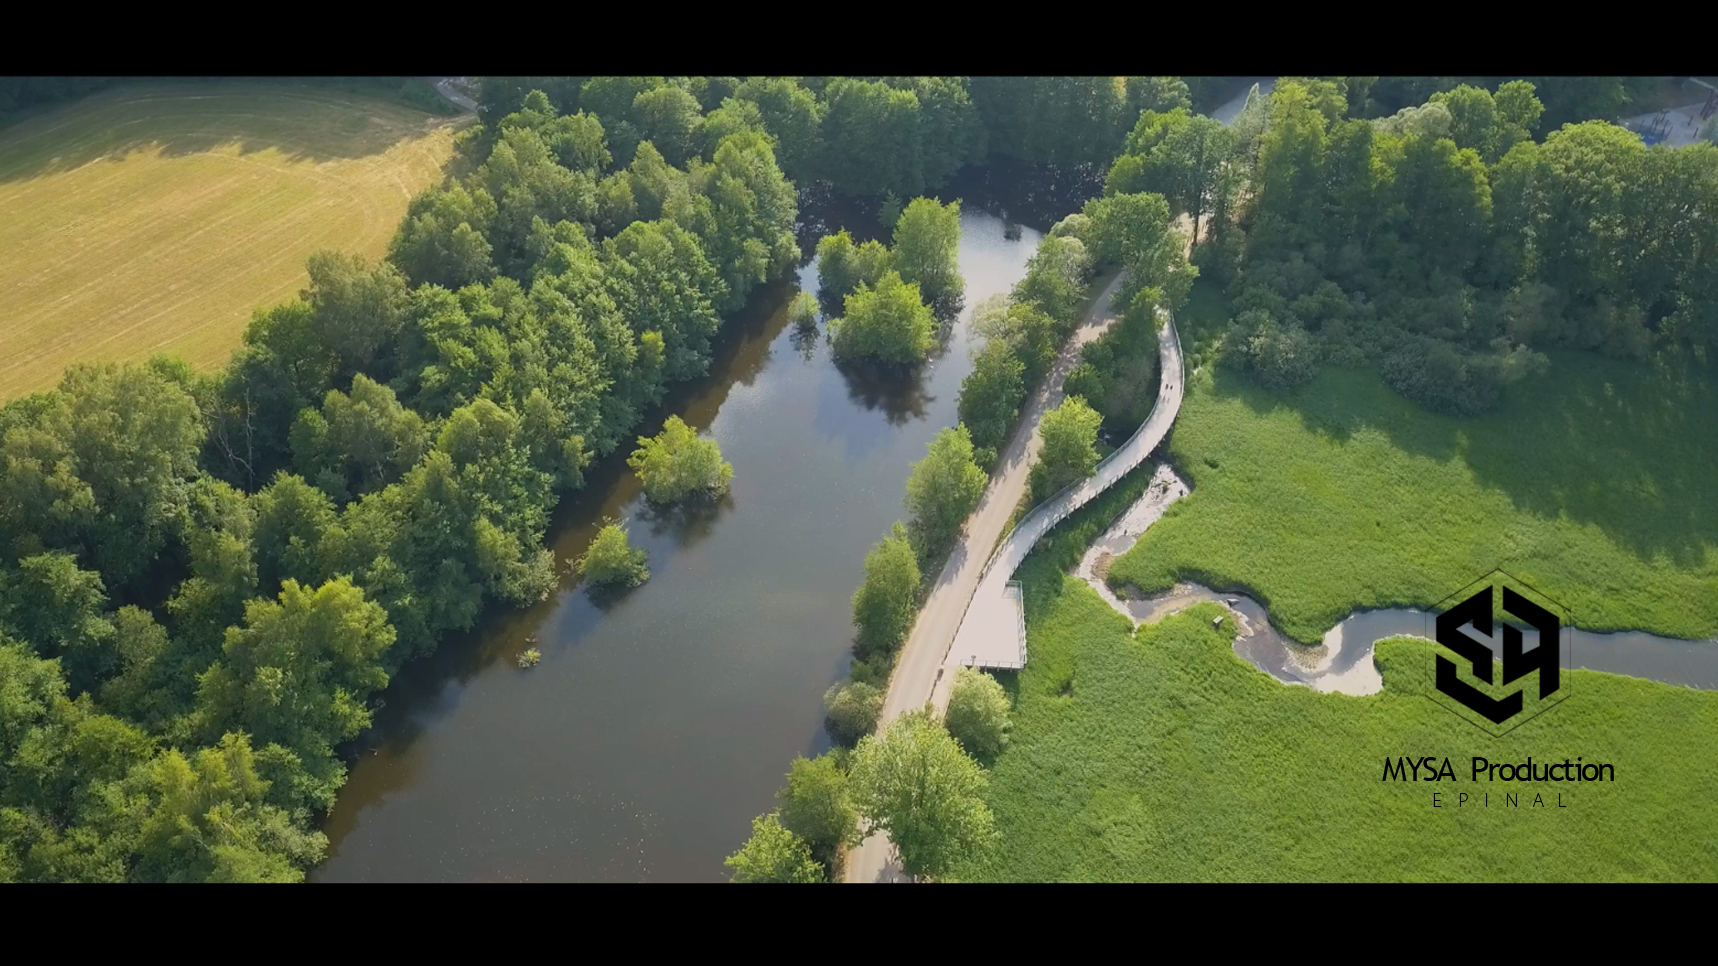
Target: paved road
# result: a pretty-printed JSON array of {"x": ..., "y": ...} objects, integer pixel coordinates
[
  {"x": 989, "y": 629},
  {"x": 921, "y": 668},
  {"x": 444, "y": 86}
]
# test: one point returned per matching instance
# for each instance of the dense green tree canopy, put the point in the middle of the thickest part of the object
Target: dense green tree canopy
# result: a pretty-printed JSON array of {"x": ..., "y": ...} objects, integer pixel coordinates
[
  {"x": 676, "y": 464},
  {"x": 915, "y": 783},
  {"x": 1444, "y": 245},
  {"x": 944, "y": 488},
  {"x": 773, "y": 854},
  {"x": 888, "y": 322}
]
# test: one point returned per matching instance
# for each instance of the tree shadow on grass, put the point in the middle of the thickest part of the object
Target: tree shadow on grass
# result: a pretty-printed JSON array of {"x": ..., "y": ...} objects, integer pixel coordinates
[
  {"x": 304, "y": 121},
  {"x": 1626, "y": 446}
]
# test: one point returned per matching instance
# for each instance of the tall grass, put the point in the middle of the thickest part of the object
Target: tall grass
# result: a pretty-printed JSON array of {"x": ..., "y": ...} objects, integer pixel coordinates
[
  {"x": 1593, "y": 484},
  {"x": 1164, "y": 756}
]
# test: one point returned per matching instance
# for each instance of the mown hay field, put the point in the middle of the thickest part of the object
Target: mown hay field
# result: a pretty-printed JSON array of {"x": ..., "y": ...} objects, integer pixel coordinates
[{"x": 155, "y": 218}]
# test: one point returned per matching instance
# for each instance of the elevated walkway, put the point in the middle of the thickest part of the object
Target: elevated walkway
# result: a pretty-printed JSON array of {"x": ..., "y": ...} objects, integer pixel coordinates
[{"x": 992, "y": 632}]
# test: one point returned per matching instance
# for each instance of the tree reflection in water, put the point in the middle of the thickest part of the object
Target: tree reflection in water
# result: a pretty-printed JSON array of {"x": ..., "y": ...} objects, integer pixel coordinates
[
  {"x": 688, "y": 522},
  {"x": 898, "y": 391}
]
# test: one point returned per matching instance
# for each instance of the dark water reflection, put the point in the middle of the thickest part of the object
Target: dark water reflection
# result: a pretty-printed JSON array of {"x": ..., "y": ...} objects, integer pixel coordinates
[
  {"x": 1022, "y": 194},
  {"x": 661, "y": 720}
]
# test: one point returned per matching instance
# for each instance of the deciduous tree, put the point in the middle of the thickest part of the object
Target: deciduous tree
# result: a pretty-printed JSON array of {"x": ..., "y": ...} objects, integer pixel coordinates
[
  {"x": 773, "y": 854},
  {"x": 676, "y": 464},
  {"x": 916, "y": 784}
]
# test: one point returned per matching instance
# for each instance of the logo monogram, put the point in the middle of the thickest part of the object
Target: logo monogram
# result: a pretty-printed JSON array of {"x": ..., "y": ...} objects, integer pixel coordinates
[{"x": 1545, "y": 657}]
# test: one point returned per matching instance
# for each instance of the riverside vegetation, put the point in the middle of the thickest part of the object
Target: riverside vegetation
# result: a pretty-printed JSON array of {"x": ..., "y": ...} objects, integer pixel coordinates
[
  {"x": 1356, "y": 452},
  {"x": 206, "y": 578},
  {"x": 193, "y": 627},
  {"x": 1021, "y": 331}
]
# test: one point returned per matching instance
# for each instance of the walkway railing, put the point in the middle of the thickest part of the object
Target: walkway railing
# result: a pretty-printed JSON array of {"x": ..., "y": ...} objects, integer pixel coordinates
[
  {"x": 1047, "y": 513},
  {"x": 1122, "y": 453}
]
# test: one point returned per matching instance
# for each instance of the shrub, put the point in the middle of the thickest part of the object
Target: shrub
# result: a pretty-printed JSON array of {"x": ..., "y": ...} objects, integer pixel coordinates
[
  {"x": 991, "y": 394},
  {"x": 816, "y": 807},
  {"x": 843, "y": 266},
  {"x": 888, "y": 322},
  {"x": 1279, "y": 356},
  {"x": 675, "y": 464},
  {"x": 978, "y": 714},
  {"x": 1444, "y": 378},
  {"x": 885, "y": 602},
  {"x": 944, "y": 487},
  {"x": 773, "y": 854},
  {"x": 802, "y": 312},
  {"x": 1070, "y": 449},
  {"x": 1075, "y": 225},
  {"x": 612, "y": 560},
  {"x": 873, "y": 670},
  {"x": 851, "y": 709}
]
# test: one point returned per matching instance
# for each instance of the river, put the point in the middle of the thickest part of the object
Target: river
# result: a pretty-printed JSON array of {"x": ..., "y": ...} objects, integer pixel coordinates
[{"x": 657, "y": 726}]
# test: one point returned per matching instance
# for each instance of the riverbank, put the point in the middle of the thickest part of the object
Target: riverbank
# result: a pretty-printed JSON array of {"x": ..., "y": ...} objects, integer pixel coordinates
[
  {"x": 920, "y": 673},
  {"x": 657, "y": 724}
]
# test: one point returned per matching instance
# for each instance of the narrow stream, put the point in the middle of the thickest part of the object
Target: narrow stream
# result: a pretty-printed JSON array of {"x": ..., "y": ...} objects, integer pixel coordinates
[
  {"x": 658, "y": 725},
  {"x": 1343, "y": 661}
]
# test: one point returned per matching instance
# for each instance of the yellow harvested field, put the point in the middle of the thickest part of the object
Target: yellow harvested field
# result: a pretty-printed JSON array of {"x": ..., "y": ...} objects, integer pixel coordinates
[{"x": 155, "y": 218}]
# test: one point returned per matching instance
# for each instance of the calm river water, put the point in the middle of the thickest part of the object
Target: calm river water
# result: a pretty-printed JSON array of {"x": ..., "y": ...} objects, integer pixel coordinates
[{"x": 657, "y": 726}]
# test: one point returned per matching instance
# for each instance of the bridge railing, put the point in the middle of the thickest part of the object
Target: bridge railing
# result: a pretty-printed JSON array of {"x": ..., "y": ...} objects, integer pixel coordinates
[{"x": 1058, "y": 514}]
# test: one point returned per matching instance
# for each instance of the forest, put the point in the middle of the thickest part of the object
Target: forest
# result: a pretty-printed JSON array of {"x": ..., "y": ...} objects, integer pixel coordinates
[
  {"x": 1448, "y": 244},
  {"x": 206, "y": 579}
]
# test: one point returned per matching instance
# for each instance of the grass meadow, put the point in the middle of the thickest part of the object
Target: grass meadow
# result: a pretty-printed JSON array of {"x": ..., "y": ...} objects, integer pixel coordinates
[
  {"x": 1593, "y": 484},
  {"x": 1158, "y": 754},
  {"x": 155, "y": 218},
  {"x": 1164, "y": 756}
]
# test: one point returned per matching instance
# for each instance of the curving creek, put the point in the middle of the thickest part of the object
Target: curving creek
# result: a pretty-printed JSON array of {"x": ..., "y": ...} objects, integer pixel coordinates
[
  {"x": 659, "y": 724},
  {"x": 1342, "y": 662}
]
